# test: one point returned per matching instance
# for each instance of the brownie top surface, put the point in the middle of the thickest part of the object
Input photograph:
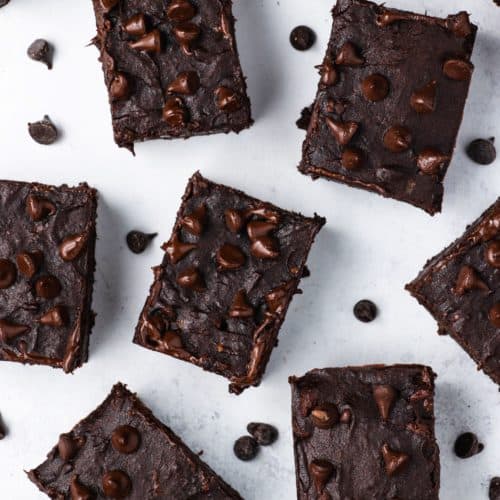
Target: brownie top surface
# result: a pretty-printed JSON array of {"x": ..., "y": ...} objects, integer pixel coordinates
[
  {"x": 172, "y": 68},
  {"x": 229, "y": 271},
  {"x": 390, "y": 101},
  {"x": 47, "y": 239},
  {"x": 365, "y": 432},
  {"x": 122, "y": 451},
  {"x": 461, "y": 288}
]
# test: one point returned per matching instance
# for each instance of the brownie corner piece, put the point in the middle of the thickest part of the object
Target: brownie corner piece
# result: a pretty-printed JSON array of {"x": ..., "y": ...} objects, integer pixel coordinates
[
  {"x": 460, "y": 287},
  {"x": 230, "y": 270},
  {"x": 47, "y": 243},
  {"x": 121, "y": 450},
  {"x": 365, "y": 432},
  {"x": 390, "y": 101},
  {"x": 171, "y": 68}
]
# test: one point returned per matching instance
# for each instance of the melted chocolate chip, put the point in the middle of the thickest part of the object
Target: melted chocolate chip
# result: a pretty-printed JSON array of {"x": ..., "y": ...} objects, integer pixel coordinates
[
  {"x": 126, "y": 439},
  {"x": 258, "y": 228},
  {"x": 8, "y": 273},
  {"x": 265, "y": 247},
  {"x": 79, "y": 491},
  {"x": 44, "y": 131},
  {"x": 9, "y": 330},
  {"x": 119, "y": 88},
  {"x": 264, "y": 434},
  {"x": 342, "y": 131},
  {"x": 459, "y": 24},
  {"x": 186, "y": 83},
  {"x": 67, "y": 447},
  {"x": 194, "y": 222},
  {"x": 246, "y": 448},
  {"x": 137, "y": 241},
  {"x": 384, "y": 396},
  {"x": 482, "y": 151},
  {"x": 174, "y": 112},
  {"x": 348, "y": 56},
  {"x": 430, "y": 161},
  {"x": 397, "y": 139},
  {"x": 365, "y": 311},
  {"x": 135, "y": 25},
  {"x": 458, "y": 69},
  {"x": 40, "y": 50},
  {"x": 176, "y": 249},
  {"x": 54, "y": 317},
  {"x": 72, "y": 246},
  {"x": 302, "y": 38},
  {"x": 192, "y": 279},
  {"x": 230, "y": 257},
  {"x": 227, "y": 99},
  {"x": 328, "y": 74},
  {"x": 375, "y": 87},
  {"x": 492, "y": 254},
  {"x": 467, "y": 445},
  {"x": 351, "y": 159},
  {"x": 116, "y": 484},
  {"x": 185, "y": 34},
  {"x": 468, "y": 280},
  {"x": 423, "y": 100},
  {"x": 28, "y": 263},
  {"x": 109, "y": 4},
  {"x": 39, "y": 208},
  {"x": 325, "y": 416},
  {"x": 47, "y": 287},
  {"x": 394, "y": 460},
  {"x": 150, "y": 42},
  {"x": 494, "y": 315},
  {"x": 240, "y": 308},
  {"x": 321, "y": 471},
  {"x": 180, "y": 11},
  {"x": 234, "y": 220}
]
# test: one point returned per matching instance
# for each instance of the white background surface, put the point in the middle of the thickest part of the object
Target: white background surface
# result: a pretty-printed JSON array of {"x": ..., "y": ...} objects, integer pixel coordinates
[{"x": 370, "y": 248}]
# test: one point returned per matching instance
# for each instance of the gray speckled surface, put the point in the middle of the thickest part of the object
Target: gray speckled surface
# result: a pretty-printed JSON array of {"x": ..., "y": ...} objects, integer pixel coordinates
[{"x": 370, "y": 248}]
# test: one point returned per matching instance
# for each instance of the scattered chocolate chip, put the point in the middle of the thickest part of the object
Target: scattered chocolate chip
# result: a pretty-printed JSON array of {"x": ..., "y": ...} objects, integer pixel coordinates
[
  {"x": 246, "y": 448},
  {"x": 321, "y": 472},
  {"x": 482, "y": 151},
  {"x": 325, "y": 416},
  {"x": 342, "y": 131},
  {"x": 191, "y": 278},
  {"x": 185, "y": 34},
  {"x": 423, "y": 100},
  {"x": 116, "y": 484},
  {"x": 40, "y": 50},
  {"x": 264, "y": 434},
  {"x": 54, "y": 317},
  {"x": 302, "y": 38},
  {"x": 467, "y": 280},
  {"x": 375, "y": 87},
  {"x": 351, "y": 159},
  {"x": 365, "y": 311},
  {"x": 67, "y": 447},
  {"x": 109, "y": 4},
  {"x": 44, "y": 131},
  {"x": 28, "y": 263},
  {"x": 265, "y": 247},
  {"x": 135, "y": 25},
  {"x": 230, "y": 257},
  {"x": 240, "y": 308},
  {"x": 176, "y": 249},
  {"x": 47, "y": 287},
  {"x": 234, "y": 220},
  {"x": 458, "y": 69},
  {"x": 79, "y": 491},
  {"x": 258, "y": 228},
  {"x": 174, "y": 112},
  {"x": 194, "y": 222},
  {"x": 348, "y": 56},
  {"x": 119, "y": 88},
  {"x": 150, "y": 42},
  {"x": 10, "y": 330},
  {"x": 467, "y": 445},
  {"x": 180, "y": 11},
  {"x": 39, "y": 208},
  {"x": 397, "y": 139},
  {"x": 72, "y": 246},
  {"x": 186, "y": 83},
  {"x": 494, "y": 491},
  {"x": 492, "y": 254},
  {"x": 137, "y": 241},
  {"x": 394, "y": 460},
  {"x": 494, "y": 315},
  {"x": 227, "y": 99},
  {"x": 384, "y": 396},
  {"x": 328, "y": 74},
  {"x": 305, "y": 118},
  {"x": 8, "y": 273},
  {"x": 430, "y": 161},
  {"x": 125, "y": 439}
]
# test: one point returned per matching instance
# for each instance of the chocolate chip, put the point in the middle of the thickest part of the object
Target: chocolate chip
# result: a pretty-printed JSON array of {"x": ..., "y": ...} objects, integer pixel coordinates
[
  {"x": 351, "y": 159},
  {"x": 365, "y": 311},
  {"x": 191, "y": 278},
  {"x": 494, "y": 491},
  {"x": 328, "y": 74},
  {"x": 72, "y": 246},
  {"x": 186, "y": 83},
  {"x": 246, "y": 448},
  {"x": 467, "y": 445},
  {"x": 10, "y": 330},
  {"x": 234, "y": 220},
  {"x": 394, "y": 460},
  {"x": 116, "y": 484},
  {"x": 174, "y": 112},
  {"x": 375, "y": 87},
  {"x": 47, "y": 287},
  {"x": 44, "y": 131},
  {"x": 150, "y": 42},
  {"x": 302, "y": 38},
  {"x": 459, "y": 24},
  {"x": 79, "y": 491},
  {"x": 176, "y": 249},
  {"x": 467, "y": 280},
  {"x": 430, "y": 161},
  {"x": 397, "y": 139},
  {"x": 119, "y": 88},
  {"x": 28, "y": 263},
  {"x": 423, "y": 100},
  {"x": 39, "y": 208},
  {"x": 492, "y": 254},
  {"x": 277, "y": 298},
  {"x": 185, "y": 34},
  {"x": 230, "y": 257},
  {"x": 325, "y": 416},
  {"x": 137, "y": 241},
  {"x": 342, "y": 131},
  {"x": 458, "y": 69},
  {"x": 305, "y": 119},
  {"x": 348, "y": 56},
  {"x": 265, "y": 247},
  {"x": 227, "y": 99},
  {"x": 264, "y": 434},
  {"x": 109, "y": 4},
  {"x": 8, "y": 273},
  {"x": 180, "y": 11},
  {"x": 384, "y": 396},
  {"x": 389, "y": 17},
  {"x": 258, "y": 228},
  {"x": 194, "y": 222},
  {"x": 321, "y": 472},
  {"x": 54, "y": 317},
  {"x": 482, "y": 151},
  {"x": 67, "y": 447},
  {"x": 126, "y": 439},
  {"x": 494, "y": 315},
  {"x": 40, "y": 50},
  {"x": 135, "y": 25},
  {"x": 240, "y": 308}
]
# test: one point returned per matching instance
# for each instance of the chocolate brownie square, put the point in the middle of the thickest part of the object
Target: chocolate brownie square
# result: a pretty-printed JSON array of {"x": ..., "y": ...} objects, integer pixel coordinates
[
  {"x": 365, "y": 432},
  {"x": 122, "y": 451},
  {"x": 47, "y": 240},
  {"x": 171, "y": 68},
  {"x": 460, "y": 287},
  {"x": 231, "y": 268},
  {"x": 390, "y": 101}
]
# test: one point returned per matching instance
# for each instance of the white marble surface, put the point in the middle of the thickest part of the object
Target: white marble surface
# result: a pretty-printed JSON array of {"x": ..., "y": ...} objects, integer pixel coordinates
[{"x": 370, "y": 248}]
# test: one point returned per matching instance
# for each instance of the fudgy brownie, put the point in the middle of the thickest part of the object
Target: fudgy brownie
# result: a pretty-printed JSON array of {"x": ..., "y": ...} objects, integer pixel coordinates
[
  {"x": 460, "y": 287},
  {"x": 171, "y": 68},
  {"x": 390, "y": 101},
  {"x": 47, "y": 240},
  {"x": 231, "y": 268},
  {"x": 122, "y": 451},
  {"x": 365, "y": 432}
]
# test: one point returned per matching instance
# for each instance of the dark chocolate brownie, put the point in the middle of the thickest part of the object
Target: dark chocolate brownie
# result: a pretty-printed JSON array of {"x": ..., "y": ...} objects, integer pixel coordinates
[
  {"x": 460, "y": 287},
  {"x": 390, "y": 101},
  {"x": 171, "y": 68},
  {"x": 230, "y": 270},
  {"x": 365, "y": 432},
  {"x": 122, "y": 451},
  {"x": 47, "y": 240}
]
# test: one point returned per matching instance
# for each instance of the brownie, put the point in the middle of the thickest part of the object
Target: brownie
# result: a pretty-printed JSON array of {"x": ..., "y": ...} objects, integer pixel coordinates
[
  {"x": 122, "y": 451},
  {"x": 171, "y": 68},
  {"x": 230, "y": 270},
  {"x": 460, "y": 287},
  {"x": 390, "y": 101},
  {"x": 47, "y": 241},
  {"x": 365, "y": 432}
]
